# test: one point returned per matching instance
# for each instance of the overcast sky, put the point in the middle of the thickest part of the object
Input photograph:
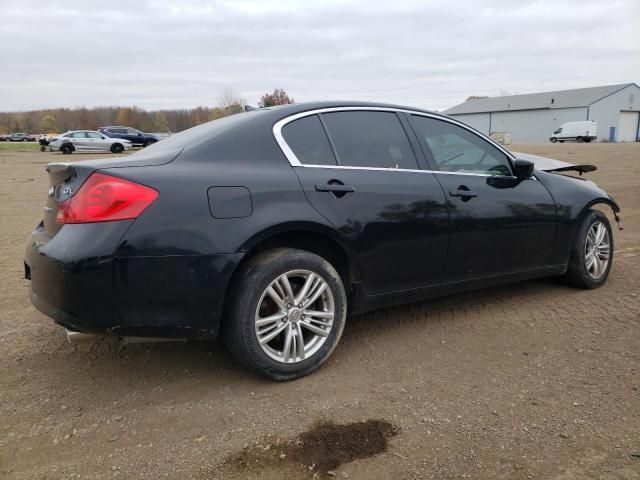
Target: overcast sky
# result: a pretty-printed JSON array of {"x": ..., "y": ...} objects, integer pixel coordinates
[{"x": 430, "y": 54}]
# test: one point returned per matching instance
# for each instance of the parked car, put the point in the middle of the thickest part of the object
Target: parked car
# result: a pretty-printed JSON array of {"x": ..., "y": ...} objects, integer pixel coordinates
[
  {"x": 136, "y": 137},
  {"x": 22, "y": 137},
  {"x": 88, "y": 141},
  {"x": 5, "y": 137},
  {"x": 269, "y": 227},
  {"x": 578, "y": 131}
]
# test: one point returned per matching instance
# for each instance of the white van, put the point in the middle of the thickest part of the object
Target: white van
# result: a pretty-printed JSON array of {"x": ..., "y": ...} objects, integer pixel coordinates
[{"x": 578, "y": 131}]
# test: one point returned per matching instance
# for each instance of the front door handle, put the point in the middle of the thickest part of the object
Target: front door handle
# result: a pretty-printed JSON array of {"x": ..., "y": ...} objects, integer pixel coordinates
[
  {"x": 334, "y": 187},
  {"x": 464, "y": 193}
]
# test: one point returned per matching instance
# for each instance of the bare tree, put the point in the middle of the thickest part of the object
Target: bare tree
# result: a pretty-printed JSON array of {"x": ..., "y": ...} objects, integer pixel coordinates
[{"x": 230, "y": 102}]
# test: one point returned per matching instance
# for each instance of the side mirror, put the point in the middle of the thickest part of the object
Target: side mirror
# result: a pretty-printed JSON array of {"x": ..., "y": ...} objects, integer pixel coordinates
[{"x": 523, "y": 169}]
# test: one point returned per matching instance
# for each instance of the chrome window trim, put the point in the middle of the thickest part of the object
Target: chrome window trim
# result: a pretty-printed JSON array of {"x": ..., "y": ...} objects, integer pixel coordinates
[
  {"x": 293, "y": 159},
  {"x": 379, "y": 169}
]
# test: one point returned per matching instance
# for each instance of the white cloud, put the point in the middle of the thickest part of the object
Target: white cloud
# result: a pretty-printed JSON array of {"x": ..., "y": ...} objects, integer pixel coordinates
[{"x": 427, "y": 54}]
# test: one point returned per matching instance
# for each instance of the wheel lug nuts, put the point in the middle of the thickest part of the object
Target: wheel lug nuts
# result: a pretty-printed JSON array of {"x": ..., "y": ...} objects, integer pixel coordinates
[
  {"x": 284, "y": 319},
  {"x": 300, "y": 306},
  {"x": 288, "y": 306}
]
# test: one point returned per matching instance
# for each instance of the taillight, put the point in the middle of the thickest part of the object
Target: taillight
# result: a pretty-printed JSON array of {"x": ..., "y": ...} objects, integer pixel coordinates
[{"x": 103, "y": 198}]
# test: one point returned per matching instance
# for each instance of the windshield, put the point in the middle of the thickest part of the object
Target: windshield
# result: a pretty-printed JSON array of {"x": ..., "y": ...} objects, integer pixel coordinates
[{"x": 558, "y": 130}]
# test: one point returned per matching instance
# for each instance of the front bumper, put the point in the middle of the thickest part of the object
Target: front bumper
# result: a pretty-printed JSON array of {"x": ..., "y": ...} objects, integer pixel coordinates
[{"x": 93, "y": 289}]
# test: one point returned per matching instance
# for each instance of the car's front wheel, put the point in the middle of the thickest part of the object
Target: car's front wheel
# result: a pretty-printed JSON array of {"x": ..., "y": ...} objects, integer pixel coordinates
[
  {"x": 286, "y": 313},
  {"x": 592, "y": 252},
  {"x": 66, "y": 148},
  {"x": 117, "y": 148}
]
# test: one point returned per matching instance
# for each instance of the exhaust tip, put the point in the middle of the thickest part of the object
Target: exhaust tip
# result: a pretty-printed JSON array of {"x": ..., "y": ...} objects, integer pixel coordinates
[{"x": 79, "y": 337}]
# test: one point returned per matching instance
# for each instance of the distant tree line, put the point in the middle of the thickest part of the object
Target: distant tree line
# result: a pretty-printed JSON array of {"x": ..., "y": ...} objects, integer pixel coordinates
[{"x": 62, "y": 119}]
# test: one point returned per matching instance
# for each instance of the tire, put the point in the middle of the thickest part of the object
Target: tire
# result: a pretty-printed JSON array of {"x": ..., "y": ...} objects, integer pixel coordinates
[
  {"x": 581, "y": 272},
  {"x": 561, "y": 141},
  {"x": 117, "y": 148},
  {"x": 67, "y": 149},
  {"x": 553, "y": 139},
  {"x": 579, "y": 139},
  {"x": 25, "y": 139},
  {"x": 250, "y": 301}
]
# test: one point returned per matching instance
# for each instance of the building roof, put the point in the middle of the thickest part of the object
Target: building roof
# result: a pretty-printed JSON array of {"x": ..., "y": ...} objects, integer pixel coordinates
[{"x": 579, "y": 97}]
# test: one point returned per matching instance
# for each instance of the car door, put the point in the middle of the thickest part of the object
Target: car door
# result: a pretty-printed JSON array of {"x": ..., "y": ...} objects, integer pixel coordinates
[
  {"x": 498, "y": 224},
  {"x": 134, "y": 136},
  {"x": 79, "y": 141},
  {"x": 94, "y": 141},
  {"x": 360, "y": 171}
]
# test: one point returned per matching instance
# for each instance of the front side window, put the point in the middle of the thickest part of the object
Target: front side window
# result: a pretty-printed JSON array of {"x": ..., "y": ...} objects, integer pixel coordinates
[
  {"x": 456, "y": 149},
  {"x": 132, "y": 131},
  {"x": 558, "y": 130},
  {"x": 78, "y": 135},
  {"x": 370, "y": 139},
  {"x": 308, "y": 140}
]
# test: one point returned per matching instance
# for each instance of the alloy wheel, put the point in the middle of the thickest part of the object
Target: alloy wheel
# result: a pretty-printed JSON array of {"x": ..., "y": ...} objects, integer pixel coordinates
[
  {"x": 294, "y": 316},
  {"x": 597, "y": 250}
]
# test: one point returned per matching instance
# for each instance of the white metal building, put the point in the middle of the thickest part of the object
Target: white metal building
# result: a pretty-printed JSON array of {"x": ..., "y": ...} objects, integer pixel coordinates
[{"x": 531, "y": 118}]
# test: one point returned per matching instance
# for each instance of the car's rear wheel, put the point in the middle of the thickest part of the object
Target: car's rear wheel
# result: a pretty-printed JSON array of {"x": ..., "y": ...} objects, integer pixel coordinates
[
  {"x": 117, "y": 148},
  {"x": 286, "y": 313},
  {"x": 66, "y": 149},
  {"x": 579, "y": 139},
  {"x": 592, "y": 252}
]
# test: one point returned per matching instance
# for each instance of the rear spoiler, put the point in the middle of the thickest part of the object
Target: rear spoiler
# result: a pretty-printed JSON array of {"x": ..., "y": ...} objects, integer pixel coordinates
[{"x": 552, "y": 165}]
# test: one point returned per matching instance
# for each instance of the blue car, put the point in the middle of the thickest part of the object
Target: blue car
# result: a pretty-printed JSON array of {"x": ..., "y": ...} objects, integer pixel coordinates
[{"x": 136, "y": 137}]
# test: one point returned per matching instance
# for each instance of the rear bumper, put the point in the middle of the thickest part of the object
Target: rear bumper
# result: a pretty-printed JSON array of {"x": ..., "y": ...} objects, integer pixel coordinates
[{"x": 88, "y": 290}]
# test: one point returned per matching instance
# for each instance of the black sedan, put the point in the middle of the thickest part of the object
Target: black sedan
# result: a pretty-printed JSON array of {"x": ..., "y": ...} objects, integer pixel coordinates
[{"x": 271, "y": 226}]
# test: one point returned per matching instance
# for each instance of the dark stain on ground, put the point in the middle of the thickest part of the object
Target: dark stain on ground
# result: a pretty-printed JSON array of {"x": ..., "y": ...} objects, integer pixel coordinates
[
  {"x": 324, "y": 447},
  {"x": 329, "y": 445}
]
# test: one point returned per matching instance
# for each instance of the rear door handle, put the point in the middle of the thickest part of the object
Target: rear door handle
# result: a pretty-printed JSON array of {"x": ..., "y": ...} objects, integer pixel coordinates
[
  {"x": 331, "y": 187},
  {"x": 463, "y": 193}
]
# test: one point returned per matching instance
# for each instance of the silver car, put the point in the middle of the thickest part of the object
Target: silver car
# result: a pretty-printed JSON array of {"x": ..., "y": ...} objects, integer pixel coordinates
[{"x": 88, "y": 141}]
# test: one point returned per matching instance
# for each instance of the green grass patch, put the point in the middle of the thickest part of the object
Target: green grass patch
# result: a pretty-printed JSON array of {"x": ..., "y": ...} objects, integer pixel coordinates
[{"x": 20, "y": 146}]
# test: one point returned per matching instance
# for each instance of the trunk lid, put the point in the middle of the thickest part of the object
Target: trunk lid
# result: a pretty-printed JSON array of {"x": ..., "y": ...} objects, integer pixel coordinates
[{"x": 66, "y": 178}]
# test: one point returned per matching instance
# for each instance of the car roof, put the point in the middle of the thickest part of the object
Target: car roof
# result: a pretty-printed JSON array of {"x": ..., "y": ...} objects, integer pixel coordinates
[{"x": 287, "y": 110}]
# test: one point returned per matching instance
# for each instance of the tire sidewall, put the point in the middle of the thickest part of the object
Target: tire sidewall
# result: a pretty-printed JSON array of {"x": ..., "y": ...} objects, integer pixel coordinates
[
  {"x": 259, "y": 273},
  {"x": 117, "y": 148},
  {"x": 578, "y": 262}
]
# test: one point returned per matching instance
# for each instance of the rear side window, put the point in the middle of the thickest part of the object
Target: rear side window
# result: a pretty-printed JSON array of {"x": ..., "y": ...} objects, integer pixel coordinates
[
  {"x": 309, "y": 142},
  {"x": 370, "y": 139}
]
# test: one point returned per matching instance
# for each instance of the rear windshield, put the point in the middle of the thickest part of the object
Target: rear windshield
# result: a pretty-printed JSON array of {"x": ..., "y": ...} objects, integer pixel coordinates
[{"x": 203, "y": 133}]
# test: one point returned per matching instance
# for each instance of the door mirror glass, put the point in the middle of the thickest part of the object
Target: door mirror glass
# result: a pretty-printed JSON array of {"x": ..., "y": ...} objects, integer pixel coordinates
[{"x": 523, "y": 168}]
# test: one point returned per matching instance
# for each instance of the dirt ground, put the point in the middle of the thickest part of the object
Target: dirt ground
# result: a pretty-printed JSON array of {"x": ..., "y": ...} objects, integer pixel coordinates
[{"x": 530, "y": 381}]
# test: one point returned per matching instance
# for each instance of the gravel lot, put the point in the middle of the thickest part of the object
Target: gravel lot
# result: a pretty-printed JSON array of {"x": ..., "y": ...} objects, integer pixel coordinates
[{"x": 533, "y": 380}]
